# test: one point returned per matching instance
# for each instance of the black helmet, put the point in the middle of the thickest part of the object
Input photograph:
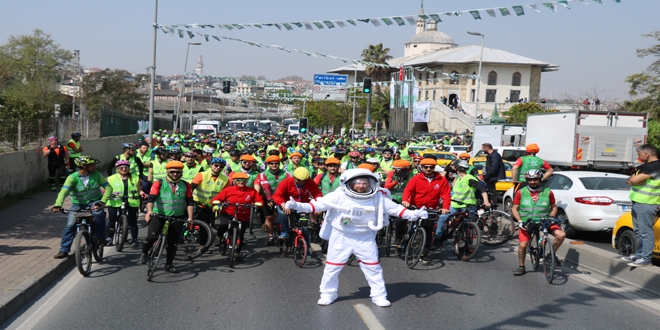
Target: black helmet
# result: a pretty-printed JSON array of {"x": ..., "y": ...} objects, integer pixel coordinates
[
  {"x": 75, "y": 135},
  {"x": 234, "y": 153}
]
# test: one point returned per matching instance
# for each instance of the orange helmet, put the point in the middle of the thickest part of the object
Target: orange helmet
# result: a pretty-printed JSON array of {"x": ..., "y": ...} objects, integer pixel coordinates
[{"x": 532, "y": 148}]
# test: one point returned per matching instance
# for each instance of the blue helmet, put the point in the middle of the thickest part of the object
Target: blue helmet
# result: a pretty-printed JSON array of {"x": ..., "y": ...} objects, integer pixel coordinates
[
  {"x": 218, "y": 160},
  {"x": 302, "y": 152},
  {"x": 368, "y": 150}
]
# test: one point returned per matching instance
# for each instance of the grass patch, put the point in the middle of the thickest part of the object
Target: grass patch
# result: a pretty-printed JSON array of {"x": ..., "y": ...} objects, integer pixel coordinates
[{"x": 11, "y": 199}]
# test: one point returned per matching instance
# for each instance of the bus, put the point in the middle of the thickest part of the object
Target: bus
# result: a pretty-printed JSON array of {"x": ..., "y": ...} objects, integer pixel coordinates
[
  {"x": 265, "y": 126},
  {"x": 234, "y": 125},
  {"x": 289, "y": 121},
  {"x": 250, "y": 125}
]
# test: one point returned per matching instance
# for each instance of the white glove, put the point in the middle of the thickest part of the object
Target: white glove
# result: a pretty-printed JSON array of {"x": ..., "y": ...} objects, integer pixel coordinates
[
  {"x": 421, "y": 213},
  {"x": 291, "y": 204},
  {"x": 521, "y": 225}
]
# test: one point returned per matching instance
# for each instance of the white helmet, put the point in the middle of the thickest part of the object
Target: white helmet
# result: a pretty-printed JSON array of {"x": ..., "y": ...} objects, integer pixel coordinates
[{"x": 350, "y": 176}]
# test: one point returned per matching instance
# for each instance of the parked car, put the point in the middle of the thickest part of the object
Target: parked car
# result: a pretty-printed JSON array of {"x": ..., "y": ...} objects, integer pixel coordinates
[
  {"x": 442, "y": 157},
  {"x": 501, "y": 186},
  {"x": 625, "y": 240},
  {"x": 456, "y": 149},
  {"x": 587, "y": 201}
]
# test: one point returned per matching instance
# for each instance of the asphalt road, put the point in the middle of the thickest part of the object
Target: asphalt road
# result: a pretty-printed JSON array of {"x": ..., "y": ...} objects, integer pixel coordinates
[{"x": 268, "y": 292}]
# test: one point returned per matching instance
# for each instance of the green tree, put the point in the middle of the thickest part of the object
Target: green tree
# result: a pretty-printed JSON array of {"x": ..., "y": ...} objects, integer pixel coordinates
[
  {"x": 646, "y": 84},
  {"x": 376, "y": 54},
  {"x": 114, "y": 90},
  {"x": 653, "y": 136},
  {"x": 517, "y": 114}
]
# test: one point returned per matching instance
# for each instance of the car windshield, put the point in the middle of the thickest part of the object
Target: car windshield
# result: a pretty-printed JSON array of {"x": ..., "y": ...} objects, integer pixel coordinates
[
  {"x": 512, "y": 155},
  {"x": 203, "y": 131},
  {"x": 604, "y": 183},
  {"x": 293, "y": 128}
]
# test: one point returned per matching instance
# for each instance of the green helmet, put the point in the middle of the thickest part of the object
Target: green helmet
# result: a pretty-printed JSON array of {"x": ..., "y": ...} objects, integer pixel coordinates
[{"x": 86, "y": 160}]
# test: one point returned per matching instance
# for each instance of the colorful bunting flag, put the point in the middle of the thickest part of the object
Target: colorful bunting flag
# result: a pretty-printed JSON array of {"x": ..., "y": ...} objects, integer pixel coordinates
[
  {"x": 504, "y": 11},
  {"x": 318, "y": 25},
  {"x": 436, "y": 18},
  {"x": 519, "y": 10},
  {"x": 308, "y": 26},
  {"x": 329, "y": 24},
  {"x": 375, "y": 22},
  {"x": 341, "y": 24},
  {"x": 491, "y": 13},
  {"x": 534, "y": 7},
  {"x": 411, "y": 20},
  {"x": 399, "y": 21},
  {"x": 550, "y": 6},
  {"x": 564, "y": 3},
  {"x": 387, "y": 21},
  {"x": 475, "y": 14}
]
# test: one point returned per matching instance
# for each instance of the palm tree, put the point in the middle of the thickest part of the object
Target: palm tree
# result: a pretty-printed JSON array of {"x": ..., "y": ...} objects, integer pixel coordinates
[{"x": 376, "y": 54}]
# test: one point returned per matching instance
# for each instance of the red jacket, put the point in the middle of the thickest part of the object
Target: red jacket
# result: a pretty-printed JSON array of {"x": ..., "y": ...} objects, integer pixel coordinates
[
  {"x": 421, "y": 192},
  {"x": 237, "y": 195},
  {"x": 287, "y": 188}
]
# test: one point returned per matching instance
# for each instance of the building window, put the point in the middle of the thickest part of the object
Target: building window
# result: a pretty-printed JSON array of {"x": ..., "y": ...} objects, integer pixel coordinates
[
  {"x": 492, "y": 78},
  {"x": 514, "y": 96},
  {"x": 426, "y": 95},
  {"x": 419, "y": 95},
  {"x": 490, "y": 95},
  {"x": 515, "y": 80},
  {"x": 454, "y": 78},
  {"x": 472, "y": 93},
  {"x": 433, "y": 96},
  {"x": 474, "y": 80}
]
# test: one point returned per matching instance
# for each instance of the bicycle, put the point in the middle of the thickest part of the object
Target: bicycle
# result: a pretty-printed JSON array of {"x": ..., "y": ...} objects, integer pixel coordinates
[
  {"x": 540, "y": 246},
  {"x": 496, "y": 227},
  {"x": 466, "y": 234},
  {"x": 231, "y": 239},
  {"x": 297, "y": 242},
  {"x": 190, "y": 242},
  {"x": 157, "y": 250},
  {"x": 120, "y": 232},
  {"x": 85, "y": 243},
  {"x": 385, "y": 235},
  {"x": 414, "y": 243}
]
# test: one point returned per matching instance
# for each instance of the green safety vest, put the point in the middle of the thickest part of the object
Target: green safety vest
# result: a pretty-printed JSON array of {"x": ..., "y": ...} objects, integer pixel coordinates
[
  {"x": 397, "y": 191},
  {"x": 251, "y": 177},
  {"x": 463, "y": 192},
  {"x": 235, "y": 167},
  {"x": 327, "y": 186},
  {"x": 73, "y": 154},
  {"x": 648, "y": 193},
  {"x": 81, "y": 194},
  {"x": 159, "y": 171},
  {"x": 404, "y": 154},
  {"x": 386, "y": 164},
  {"x": 133, "y": 167},
  {"x": 117, "y": 185},
  {"x": 170, "y": 203},
  {"x": 189, "y": 173},
  {"x": 534, "y": 211},
  {"x": 528, "y": 163},
  {"x": 145, "y": 159},
  {"x": 209, "y": 187},
  {"x": 273, "y": 180}
]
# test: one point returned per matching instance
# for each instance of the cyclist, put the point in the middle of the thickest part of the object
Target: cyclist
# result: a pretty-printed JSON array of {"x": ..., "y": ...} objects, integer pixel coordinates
[
  {"x": 157, "y": 170},
  {"x": 205, "y": 185},
  {"x": 144, "y": 154},
  {"x": 247, "y": 163},
  {"x": 530, "y": 204},
  {"x": 463, "y": 197},
  {"x": 239, "y": 193},
  {"x": 84, "y": 187},
  {"x": 386, "y": 161},
  {"x": 58, "y": 159},
  {"x": 175, "y": 154},
  {"x": 233, "y": 162},
  {"x": 129, "y": 155},
  {"x": 299, "y": 187},
  {"x": 428, "y": 188},
  {"x": 267, "y": 183},
  {"x": 75, "y": 149},
  {"x": 356, "y": 211},
  {"x": 170, "y": 197},
  {"x": 122, "y": 184},
  {"x": 353, "y": 162},
  {"x": 396, "y": 181},
  {"x": 191, "y": 167},
  {"x": 329, "y": 181},
  {"x": 526, "y": 163},
  {"x": 295, "y": 162}
]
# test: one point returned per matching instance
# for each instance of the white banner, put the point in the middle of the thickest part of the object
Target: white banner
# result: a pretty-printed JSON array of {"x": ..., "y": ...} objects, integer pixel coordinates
[{"x": 421, "y": 112}]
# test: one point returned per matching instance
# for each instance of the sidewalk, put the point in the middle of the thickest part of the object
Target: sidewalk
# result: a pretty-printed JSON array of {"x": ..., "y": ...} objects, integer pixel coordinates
[{"x": 29, "y": 238}]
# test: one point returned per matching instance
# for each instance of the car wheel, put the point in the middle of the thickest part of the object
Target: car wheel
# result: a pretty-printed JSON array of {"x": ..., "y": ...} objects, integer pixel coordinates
[
  {"x": 626, "y": 243},
  {"x": 566, "y": 225},
  {"x": 508, "y": 205}
]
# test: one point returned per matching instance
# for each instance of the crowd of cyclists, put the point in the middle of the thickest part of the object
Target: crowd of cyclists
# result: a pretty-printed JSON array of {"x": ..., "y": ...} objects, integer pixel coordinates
[{"x": 180, "y": 175}]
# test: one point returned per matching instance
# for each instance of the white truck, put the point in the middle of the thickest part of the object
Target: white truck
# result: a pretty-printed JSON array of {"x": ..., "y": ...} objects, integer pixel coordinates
[
  {"x": 592, "y": 140},
  {"x": 499, "y": 135},
  {"x": 214, "y": 123},
  {"x": 204, "y": 129}
]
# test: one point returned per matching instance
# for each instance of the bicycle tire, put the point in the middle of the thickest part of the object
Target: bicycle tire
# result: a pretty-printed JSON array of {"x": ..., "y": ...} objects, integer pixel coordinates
[
  {"x": 189, "y": 248},
  {"x": 415, "y": 247},
  {"x": 121, "y": 232},
  {"x": 497, "y": 227},
  {"x": 251, "y": 222},
  {"x": 157, "y": 249},
  {"x": 350, "y": 259},
  {"x": 299, "y": 251},
  {"x": 232, "y": 252},
  {"x": 83, "y": 252},
  {"x": 548, "y": 260},
  {"x": 380, "y": 236},
  {"x": 533, "y": 249},
  {"x": 467, "y": 241},
  {"x": 388, "y": 240},
  {"x": 97, "y": 250}
]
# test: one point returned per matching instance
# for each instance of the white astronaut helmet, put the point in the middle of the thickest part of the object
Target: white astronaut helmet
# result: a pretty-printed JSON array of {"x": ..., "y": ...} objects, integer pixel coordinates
[{"x": 349, "y": 177}]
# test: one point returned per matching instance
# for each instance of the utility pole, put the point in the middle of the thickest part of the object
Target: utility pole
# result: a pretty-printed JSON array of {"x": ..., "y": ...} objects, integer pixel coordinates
[
  {"x": 366, "y": 130},
  {"x": 153, "y": 77}
]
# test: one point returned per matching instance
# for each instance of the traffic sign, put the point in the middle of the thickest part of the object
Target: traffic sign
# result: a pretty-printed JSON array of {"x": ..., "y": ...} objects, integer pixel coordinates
[
  {"x": 329, "y": 87},
  {"x": 367, "y": 125}
]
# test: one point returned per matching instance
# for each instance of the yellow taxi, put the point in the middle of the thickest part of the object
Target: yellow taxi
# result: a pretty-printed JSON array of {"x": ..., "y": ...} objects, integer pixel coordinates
[
  {"x": 443, "y": 157},
  {"x": 501, "y": 186},
  {"x": 625, "y": 240}
]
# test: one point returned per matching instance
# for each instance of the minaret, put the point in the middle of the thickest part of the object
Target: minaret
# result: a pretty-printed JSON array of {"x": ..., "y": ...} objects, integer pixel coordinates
[
  {"x": 420, "y": 21},
  {"x": 200, "y": 66}
]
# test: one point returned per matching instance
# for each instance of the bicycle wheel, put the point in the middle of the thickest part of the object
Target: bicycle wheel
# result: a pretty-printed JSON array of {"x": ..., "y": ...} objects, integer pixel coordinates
[
  {"x": 97, "y": 250},
  {"x": 415, "y": 247},
  {"x": 233, "y": 247},
  {"x": 192, "y": 245},
  {"x": 548, "y": 260},
  {"x": 121, "y": 232},
  {"x": 83, "y": 252},
  {"x": 251, "y": 222},
  {"x": 496, "y": 227},
  {"x": 534, "y": 250},
  {"x": 380, "y": 236},
  {"x": 155, "y": 253},
  {"x": 467, "y": 241},
  {"x": 388, "y": 239},
  {"x": 299, "y": 251}
]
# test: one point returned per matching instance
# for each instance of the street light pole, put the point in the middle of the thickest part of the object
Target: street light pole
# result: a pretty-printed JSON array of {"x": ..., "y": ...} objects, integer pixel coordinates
[
  {"x": 481, "y": 58},
  {"x": 179, "y": 122},
  {"x": 153, "y": 77},
  {"x": 354, "y": 98}
]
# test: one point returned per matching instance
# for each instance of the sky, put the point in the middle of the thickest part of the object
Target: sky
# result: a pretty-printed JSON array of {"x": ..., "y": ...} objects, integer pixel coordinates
[{"x": 594, "y": 45}]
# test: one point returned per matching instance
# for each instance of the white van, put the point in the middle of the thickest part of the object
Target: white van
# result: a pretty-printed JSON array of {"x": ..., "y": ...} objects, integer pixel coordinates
[
  {"x": 293, "y": 129},
  {"x": 204, "y": 129}
]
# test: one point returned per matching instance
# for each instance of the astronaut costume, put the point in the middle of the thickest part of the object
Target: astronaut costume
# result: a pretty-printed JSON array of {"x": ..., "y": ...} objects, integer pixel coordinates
[{"x": 350, "y": 226}]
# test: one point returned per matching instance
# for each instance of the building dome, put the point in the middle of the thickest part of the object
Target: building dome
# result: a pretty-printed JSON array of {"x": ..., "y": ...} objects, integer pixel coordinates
[{"x": 431, "y": 37}]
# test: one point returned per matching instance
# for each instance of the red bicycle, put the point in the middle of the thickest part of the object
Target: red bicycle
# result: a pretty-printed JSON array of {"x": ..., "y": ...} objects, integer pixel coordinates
[{"x": 296, "y": 241}]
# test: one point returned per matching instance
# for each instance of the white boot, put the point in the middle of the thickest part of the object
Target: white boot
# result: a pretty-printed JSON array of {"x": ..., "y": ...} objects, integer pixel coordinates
[
  {"x": 381, "y": 302},
  {"x": 326, "y": 300}
]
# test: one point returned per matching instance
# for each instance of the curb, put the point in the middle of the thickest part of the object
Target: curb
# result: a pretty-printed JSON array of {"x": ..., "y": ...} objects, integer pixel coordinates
[
  {"x": 609, "y": 264},
  {"x": 19, "y": 296}
]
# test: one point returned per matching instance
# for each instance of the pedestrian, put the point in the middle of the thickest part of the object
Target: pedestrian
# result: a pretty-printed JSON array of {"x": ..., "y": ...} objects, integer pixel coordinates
[
  {"x": 74, "y": 148},
  {"x": 506, "y": 100},
  {"x": 494, "y": 169},
  {"x": 58, "y": 159},
  {"x": 645, "y": 196}
]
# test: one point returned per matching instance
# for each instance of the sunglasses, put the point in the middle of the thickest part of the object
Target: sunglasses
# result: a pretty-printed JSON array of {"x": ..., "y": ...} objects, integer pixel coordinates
[
  {"x": 123, "y": 167},
  {"x": 247, "y": 162},
  {"x": 332, "y": 165},
  {"x": 273, "y": 163},
  {"x": 428, "y": 167},
  {"x": 217, "y": 165},
  {"x": 240, "y": 180},
  {"x": 174, "y": 172}
]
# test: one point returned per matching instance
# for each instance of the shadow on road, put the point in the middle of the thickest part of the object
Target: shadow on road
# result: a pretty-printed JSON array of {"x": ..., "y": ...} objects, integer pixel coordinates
[
  {"x": 12, "y": 250},
  {"x": 401, "y": 290}
]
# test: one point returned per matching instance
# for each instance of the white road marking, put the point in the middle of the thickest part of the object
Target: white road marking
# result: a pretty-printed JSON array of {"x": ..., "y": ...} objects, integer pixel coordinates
[
  {"x": 368, "y": 317},
  {"x": 62, "y": 292}
]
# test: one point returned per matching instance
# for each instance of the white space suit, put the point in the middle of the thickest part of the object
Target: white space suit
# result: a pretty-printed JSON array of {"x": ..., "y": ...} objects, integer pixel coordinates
[{"x": 350, "y": 226}]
